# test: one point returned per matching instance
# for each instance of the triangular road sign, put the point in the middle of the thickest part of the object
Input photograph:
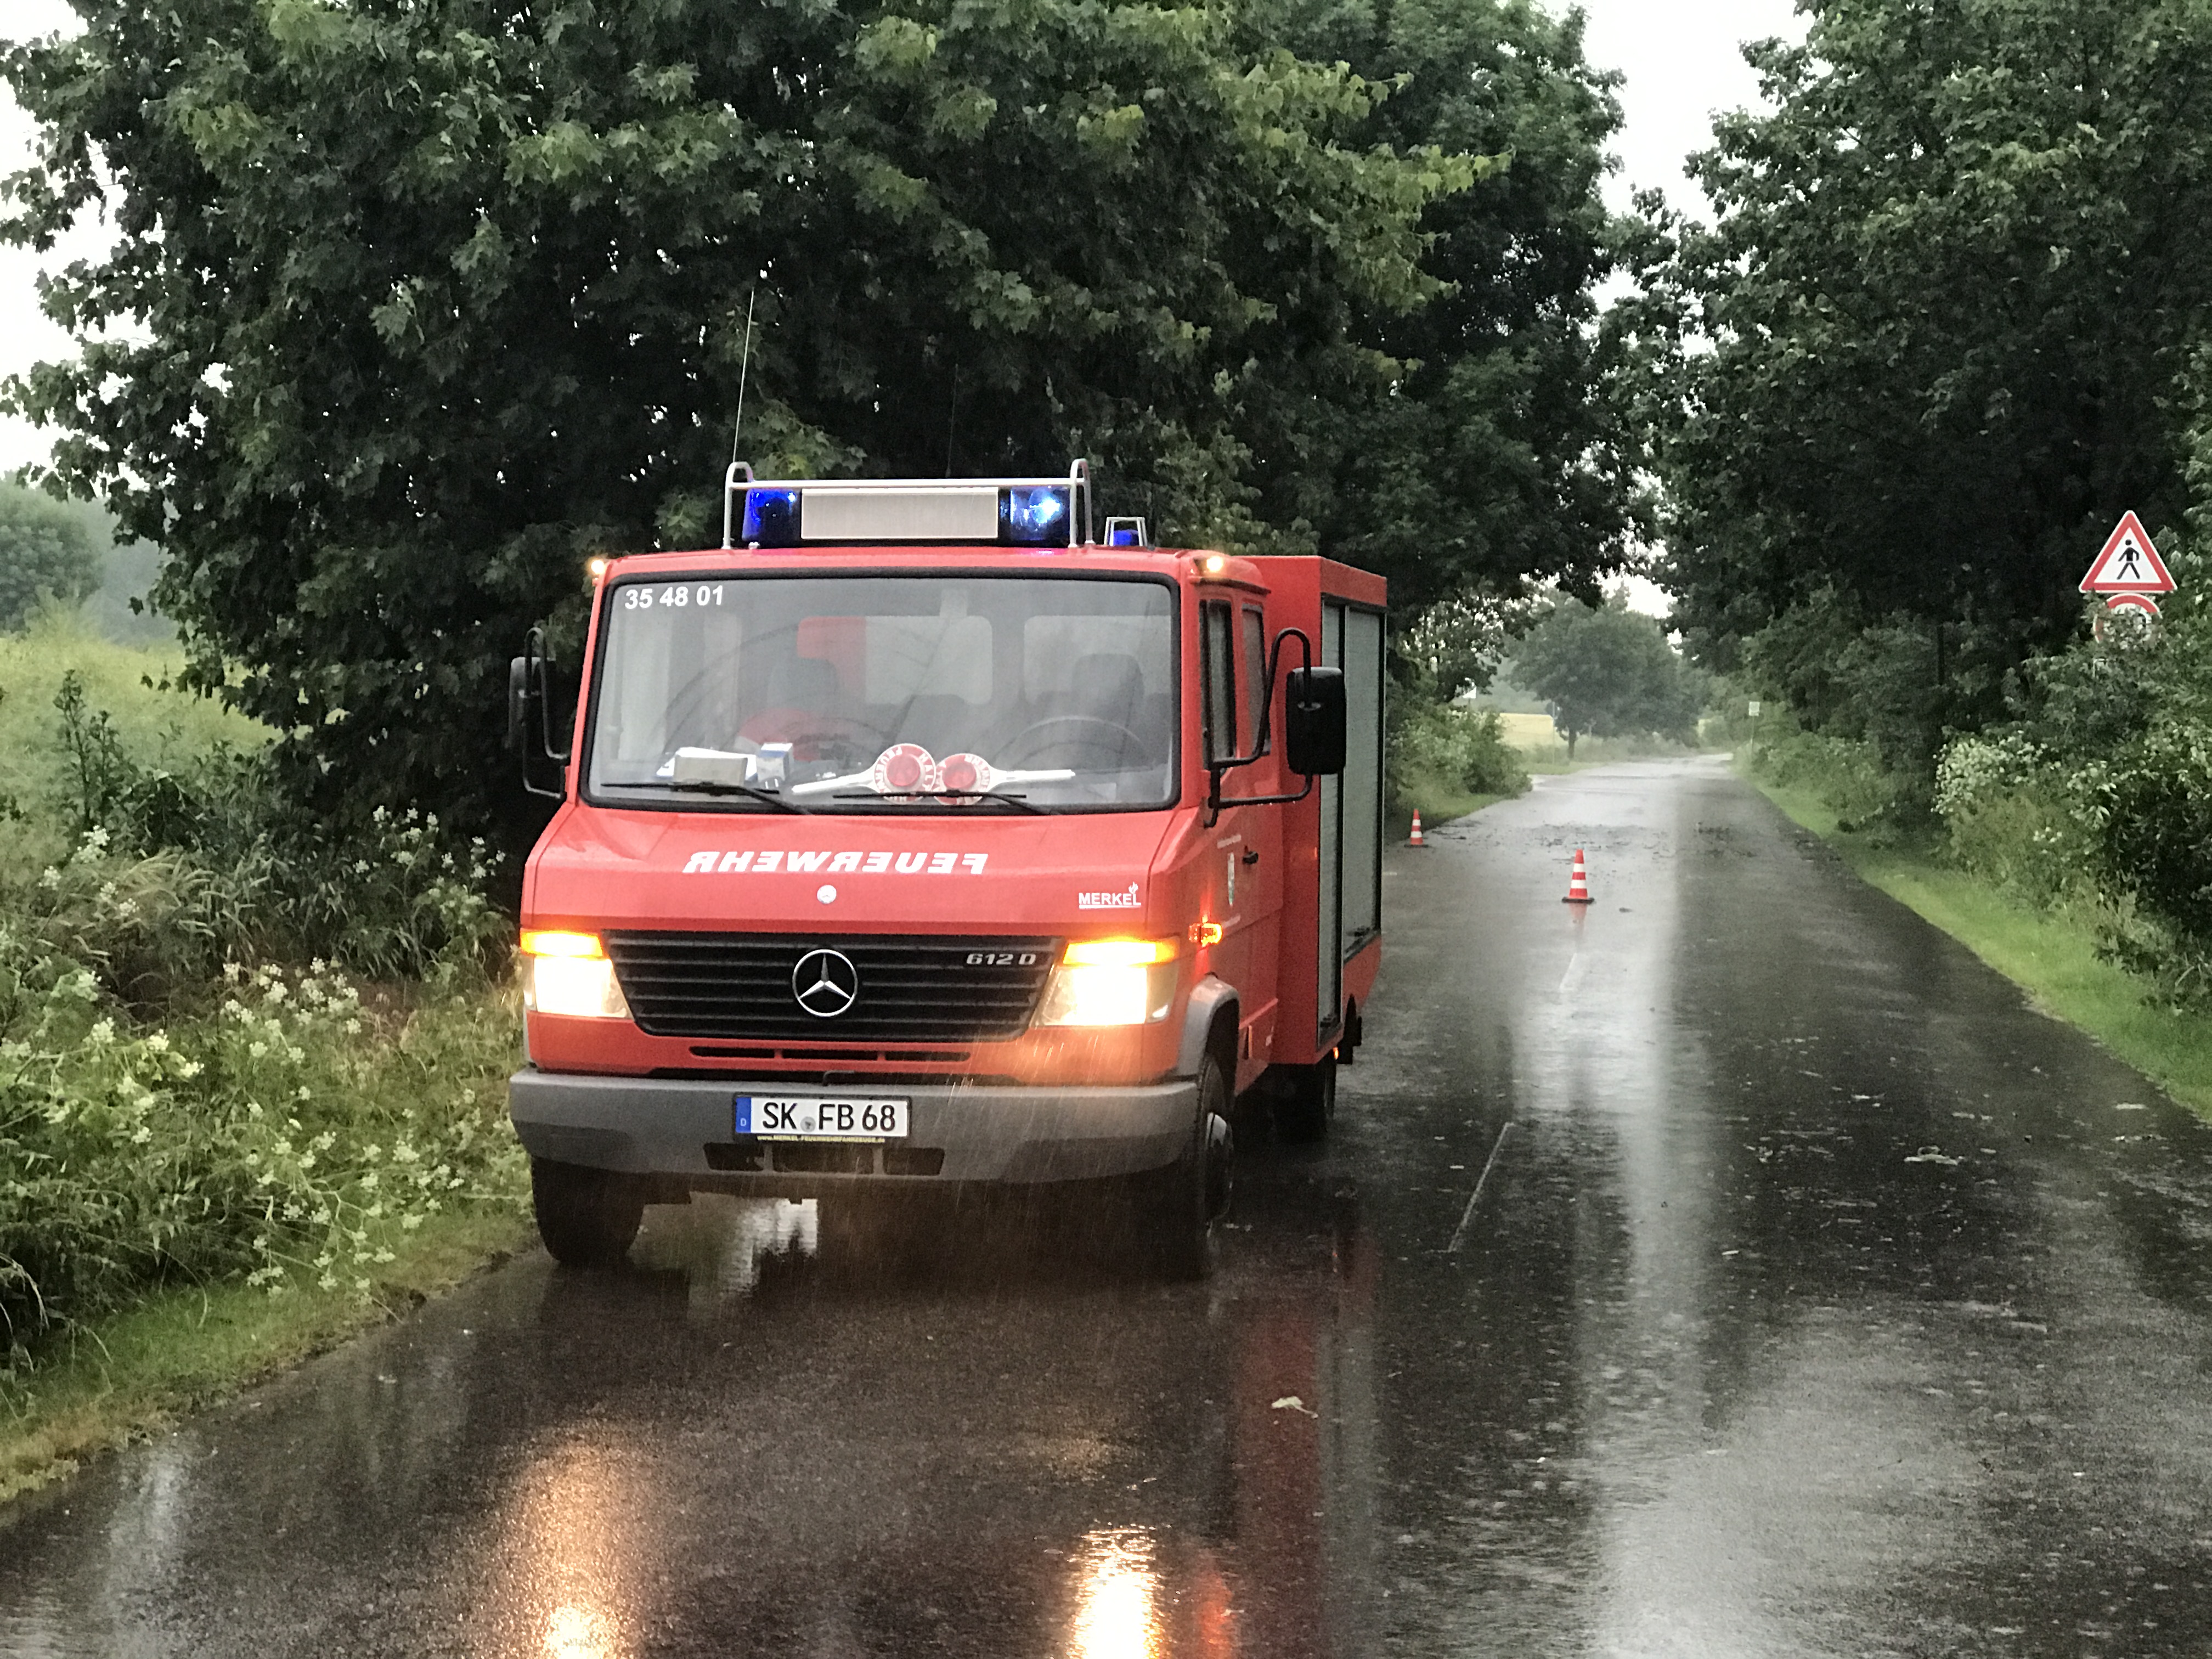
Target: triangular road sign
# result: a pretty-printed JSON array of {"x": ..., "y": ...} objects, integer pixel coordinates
[{"x": 2128, "y": 564}]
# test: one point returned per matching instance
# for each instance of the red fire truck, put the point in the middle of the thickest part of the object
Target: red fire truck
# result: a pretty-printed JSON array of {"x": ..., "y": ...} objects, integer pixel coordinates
[{"x": 917, "y": 838}]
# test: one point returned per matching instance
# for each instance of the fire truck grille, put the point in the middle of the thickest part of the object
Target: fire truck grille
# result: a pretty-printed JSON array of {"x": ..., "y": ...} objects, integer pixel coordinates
[{"x": 900, "y": 990}]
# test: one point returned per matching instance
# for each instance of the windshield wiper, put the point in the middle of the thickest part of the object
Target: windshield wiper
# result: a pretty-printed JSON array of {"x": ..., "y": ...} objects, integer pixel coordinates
[
  {"x": 701, "y": 787},
  {"x": 923, "y": 799}
]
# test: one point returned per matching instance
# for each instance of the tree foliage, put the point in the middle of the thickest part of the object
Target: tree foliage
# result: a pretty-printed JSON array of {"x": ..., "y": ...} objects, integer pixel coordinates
[
  {"x": 44, "y": 549},
  {"x": 1495, "y": 447},
  {"x": 1607, "y": 671},
  {"x": 437, "y": 299},
  {"x": 1955, "y": 297}
]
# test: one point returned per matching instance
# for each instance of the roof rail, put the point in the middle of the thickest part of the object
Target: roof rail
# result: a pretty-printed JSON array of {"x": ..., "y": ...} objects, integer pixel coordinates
[{"x": 825, "y": 512}]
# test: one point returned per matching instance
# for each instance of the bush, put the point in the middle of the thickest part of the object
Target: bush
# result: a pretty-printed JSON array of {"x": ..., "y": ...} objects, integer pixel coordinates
[
  {"x": 2011, "y": 816},
  {"x": 179, "y": 869},
  {"x": 1847, "y": 773},
  {"x": 290, "y": 1137},
  {"x": 1438, "y": 750}
]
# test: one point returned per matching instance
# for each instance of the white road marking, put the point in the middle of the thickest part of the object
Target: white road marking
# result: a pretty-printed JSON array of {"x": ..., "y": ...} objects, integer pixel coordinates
[{"x": 1475, "y": 1197}]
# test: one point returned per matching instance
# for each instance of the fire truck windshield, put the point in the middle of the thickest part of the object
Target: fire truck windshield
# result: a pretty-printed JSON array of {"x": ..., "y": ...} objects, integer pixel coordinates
[{"x": 921, "y": 692}]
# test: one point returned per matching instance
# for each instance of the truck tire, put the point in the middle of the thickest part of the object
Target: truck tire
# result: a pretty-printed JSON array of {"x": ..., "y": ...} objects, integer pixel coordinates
[
  {"x": 1186, "y": 1199},
  {"x": 1305, "y": 1102},
  {"x": 587, "y": 1218}
]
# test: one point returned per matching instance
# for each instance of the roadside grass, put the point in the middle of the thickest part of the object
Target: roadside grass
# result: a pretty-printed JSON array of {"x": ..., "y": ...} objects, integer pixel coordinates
[
  {"x": 2052, "y": 954},
  {"x": 134, "y": 1373},
  {"x": 1440, "y": 801}
]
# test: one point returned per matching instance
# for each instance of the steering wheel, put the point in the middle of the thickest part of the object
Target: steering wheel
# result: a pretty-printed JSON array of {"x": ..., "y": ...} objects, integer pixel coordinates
[{"x": 1124, "y": 741}]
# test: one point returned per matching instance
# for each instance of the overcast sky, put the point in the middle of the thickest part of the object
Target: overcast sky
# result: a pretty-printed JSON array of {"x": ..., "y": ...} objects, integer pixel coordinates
[{"x": 1682, "y": 58}]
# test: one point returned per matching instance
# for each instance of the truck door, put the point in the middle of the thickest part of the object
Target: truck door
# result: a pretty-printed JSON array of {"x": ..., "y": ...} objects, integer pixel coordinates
[
  {"x": 1351, "y": 908},
  {"x": 1246, "y": 887}
]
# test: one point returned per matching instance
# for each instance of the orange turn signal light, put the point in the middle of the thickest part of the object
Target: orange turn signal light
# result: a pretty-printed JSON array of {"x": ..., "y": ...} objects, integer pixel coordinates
[
  {"x": 1119, "y": 952},
  {"x": 540, "y": 942},
  {"x": 1205, "y": 933}
]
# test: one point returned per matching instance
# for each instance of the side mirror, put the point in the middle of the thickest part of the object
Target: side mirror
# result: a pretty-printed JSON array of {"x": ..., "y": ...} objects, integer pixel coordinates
[
  {"x": 518, "y": 702},
  {"x": 528, "y": 705},
  {"x": 1314, "y": 721}
]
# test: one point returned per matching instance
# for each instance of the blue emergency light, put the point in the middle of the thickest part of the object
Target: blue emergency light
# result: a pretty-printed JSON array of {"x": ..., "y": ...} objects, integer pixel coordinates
[
  {"x": 771, "y": 518},
  {"x": 1036, "y": 513},
  {"x": 1033, "y": 515}
]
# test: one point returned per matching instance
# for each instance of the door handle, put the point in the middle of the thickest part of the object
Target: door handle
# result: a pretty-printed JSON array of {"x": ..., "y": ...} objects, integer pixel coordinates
[{"x": 1251, "y": 855}]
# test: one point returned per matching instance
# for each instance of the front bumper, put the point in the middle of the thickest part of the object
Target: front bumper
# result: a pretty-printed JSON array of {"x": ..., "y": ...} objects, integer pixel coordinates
[{"x": 665, "y": 1126}]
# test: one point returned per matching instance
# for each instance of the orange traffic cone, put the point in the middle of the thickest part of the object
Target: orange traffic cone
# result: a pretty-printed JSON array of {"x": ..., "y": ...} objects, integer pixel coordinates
[
  {"x": 1414, "y": 840},
  {"x": 1578, "y": 883}
]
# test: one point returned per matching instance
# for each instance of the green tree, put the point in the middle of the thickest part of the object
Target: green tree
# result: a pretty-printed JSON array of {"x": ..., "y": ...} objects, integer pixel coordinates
[
  {"x": 44, "y": 549},
  {"x": 1460, "y": 445},
  {"x": 1955, "y": 284},
  {"x": 431, "y": 301},
  {"x": 1607, "y": 671}
]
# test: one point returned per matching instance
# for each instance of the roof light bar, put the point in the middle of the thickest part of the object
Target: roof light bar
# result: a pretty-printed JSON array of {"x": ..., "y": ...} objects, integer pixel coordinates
[{"x": 1040, "y": 513}]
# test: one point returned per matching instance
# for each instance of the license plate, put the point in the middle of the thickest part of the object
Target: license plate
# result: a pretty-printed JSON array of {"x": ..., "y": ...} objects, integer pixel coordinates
[{"x": 820, "y": 1117}]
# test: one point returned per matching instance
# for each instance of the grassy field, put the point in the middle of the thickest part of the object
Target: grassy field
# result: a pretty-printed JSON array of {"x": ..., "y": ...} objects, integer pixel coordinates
[
  {"x": 163, "y": 727},
  {"x": 1543, "y": 749},
  {"x": 2051, "y": 954}
]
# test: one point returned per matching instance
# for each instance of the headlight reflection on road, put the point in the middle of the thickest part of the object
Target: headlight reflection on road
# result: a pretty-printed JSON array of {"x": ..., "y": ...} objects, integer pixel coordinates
[
  {"x": 569, "y": 1535},
  {"x": 573, "y": 1633},
  {"x": 1117, "y": 1597}
]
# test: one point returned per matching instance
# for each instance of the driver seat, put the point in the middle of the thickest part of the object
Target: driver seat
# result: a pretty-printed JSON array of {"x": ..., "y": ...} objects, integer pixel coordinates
[{"x": 1110, "y": 686}]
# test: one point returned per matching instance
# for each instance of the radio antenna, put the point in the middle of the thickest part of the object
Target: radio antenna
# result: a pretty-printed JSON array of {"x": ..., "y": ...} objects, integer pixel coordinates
[
  {"x": 951, "y": 417},
  {"x": 744, "y": 362}
]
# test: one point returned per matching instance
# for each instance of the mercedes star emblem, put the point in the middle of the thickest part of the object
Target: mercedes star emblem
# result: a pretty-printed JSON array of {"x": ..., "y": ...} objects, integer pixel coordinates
[{"x": 825, "y": 983}]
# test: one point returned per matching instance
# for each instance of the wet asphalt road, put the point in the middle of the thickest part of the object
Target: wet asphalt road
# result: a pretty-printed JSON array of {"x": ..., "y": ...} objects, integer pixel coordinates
[{"x": 1821, "y": 1298}]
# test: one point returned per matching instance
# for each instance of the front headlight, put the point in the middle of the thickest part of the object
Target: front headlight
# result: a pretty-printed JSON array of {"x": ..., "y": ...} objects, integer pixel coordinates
[
  {"x": 1117, "y": 982},
  {"x": 568, "y": 974}
]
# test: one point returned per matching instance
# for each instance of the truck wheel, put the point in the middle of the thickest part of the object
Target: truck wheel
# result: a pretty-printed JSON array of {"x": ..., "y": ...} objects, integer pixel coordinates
[
  {"x": 1192, "y": 1194},
  {"x": 1305, "y": 1102},
  {"x": 587, "y": 1218}
]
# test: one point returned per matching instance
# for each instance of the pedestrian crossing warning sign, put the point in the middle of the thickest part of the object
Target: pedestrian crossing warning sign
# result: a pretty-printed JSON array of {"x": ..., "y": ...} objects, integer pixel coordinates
[{"x": 2128, "y": 564}]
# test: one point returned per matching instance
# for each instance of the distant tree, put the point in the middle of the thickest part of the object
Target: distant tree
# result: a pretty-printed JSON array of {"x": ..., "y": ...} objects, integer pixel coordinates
[
  {"x": 1456, "y": 645},
  {"x": 44, "y": 549},
  {"x": 1607, "y": 671}
]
